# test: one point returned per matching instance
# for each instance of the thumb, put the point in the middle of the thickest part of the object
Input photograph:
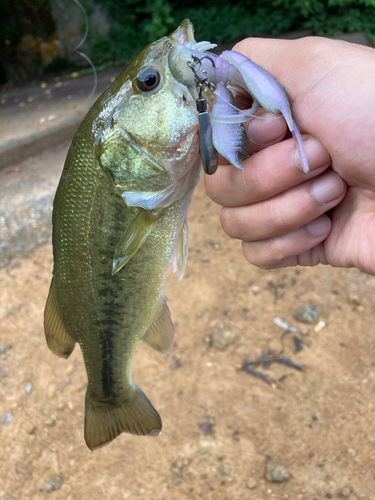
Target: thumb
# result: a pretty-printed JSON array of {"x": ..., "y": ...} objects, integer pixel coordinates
[
  {"x": 292, "y": 62},
  {"x": 306, "y": 68}
]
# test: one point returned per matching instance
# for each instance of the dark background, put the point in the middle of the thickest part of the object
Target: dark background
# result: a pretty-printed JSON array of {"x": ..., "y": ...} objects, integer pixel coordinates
[{"x": 39, "y": 36}]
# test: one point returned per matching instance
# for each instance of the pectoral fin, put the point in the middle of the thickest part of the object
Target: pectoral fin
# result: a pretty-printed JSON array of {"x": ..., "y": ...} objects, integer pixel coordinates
[
  {"x": 160, "y": 334},
  {"x": 58, "y": 338},
  {"x": 180, "y": 252},
  {"x": 134, "y": 237},
  {"x": 150, "y": 200}
]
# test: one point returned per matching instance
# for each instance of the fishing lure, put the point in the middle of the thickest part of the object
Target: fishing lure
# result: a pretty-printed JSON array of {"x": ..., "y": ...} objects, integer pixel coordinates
[{"x": 220, "y": 78}]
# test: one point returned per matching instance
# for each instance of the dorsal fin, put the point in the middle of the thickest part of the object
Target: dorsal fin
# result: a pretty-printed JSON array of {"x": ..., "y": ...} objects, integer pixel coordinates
[
  {"x": 160, "y": 334},
  {"x": 58, "y": 338}
]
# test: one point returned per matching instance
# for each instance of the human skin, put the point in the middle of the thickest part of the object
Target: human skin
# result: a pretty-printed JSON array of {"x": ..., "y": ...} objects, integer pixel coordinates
[{"x": 279, "y": 212}]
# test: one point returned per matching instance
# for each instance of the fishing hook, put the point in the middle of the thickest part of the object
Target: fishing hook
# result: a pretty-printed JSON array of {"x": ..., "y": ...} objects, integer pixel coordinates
[{"x": 200, "y": 75}]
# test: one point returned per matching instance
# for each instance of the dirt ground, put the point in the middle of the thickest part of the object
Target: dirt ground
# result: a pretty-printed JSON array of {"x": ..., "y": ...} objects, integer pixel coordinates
[{"x": 221, "y": 426}]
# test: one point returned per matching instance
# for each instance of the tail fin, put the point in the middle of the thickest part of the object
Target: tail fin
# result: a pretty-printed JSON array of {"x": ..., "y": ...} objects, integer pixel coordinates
[{"x": 105, "y": 421}]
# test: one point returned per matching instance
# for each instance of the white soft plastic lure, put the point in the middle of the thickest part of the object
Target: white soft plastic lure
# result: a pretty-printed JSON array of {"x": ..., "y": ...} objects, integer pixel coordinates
[{"x": 231, "y": 73}]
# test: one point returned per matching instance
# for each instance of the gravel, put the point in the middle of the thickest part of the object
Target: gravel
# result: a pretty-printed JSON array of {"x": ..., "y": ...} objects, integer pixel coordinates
[
  {"x": 54, "y": 484},
  {"x": 308, "y": 313},
  {"x": 277, "y": 473}
]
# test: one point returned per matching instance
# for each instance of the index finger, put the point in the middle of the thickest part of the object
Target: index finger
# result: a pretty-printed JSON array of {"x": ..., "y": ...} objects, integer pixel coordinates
[{"x": 267, "y": 173}]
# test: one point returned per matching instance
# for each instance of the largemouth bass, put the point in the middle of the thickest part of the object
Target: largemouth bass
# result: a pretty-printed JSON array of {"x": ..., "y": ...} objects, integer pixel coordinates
[
  {"x": 119, "y": 220},
  {"x": 120, "y": 210}
]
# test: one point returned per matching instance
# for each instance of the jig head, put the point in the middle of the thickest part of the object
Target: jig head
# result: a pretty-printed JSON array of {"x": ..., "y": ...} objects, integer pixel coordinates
[{"x": 208, "y": 151}]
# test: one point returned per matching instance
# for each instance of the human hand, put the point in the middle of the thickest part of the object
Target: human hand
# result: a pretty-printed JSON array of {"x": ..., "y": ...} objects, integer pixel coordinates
[{"x": 273, "y": 207}]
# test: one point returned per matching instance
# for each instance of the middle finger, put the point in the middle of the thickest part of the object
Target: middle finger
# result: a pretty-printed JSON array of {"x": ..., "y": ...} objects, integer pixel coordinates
[{"x": 286, "y": 212}]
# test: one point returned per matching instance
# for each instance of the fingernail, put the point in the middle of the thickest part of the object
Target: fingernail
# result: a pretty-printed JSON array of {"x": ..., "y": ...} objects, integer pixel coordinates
[
  {"x": 327, "y": 188},
  {"x": 319, "y": 226},
  {"x": 316, "y": 154}
]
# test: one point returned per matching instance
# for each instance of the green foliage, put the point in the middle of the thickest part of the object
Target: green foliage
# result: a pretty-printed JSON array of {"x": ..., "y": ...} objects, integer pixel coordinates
[
  {"x": 135, "y": 23},
  {"x": 333, "y": 17},
  {"x": 313, "y": 7},
  {"x": 226, "y": 23},
  {"x": 161, "y": 18},
  {"x": 99, "y": 44}
]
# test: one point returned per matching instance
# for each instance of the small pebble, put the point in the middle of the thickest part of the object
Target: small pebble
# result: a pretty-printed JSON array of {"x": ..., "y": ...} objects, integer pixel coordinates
[
  {"x": 4, "y": 348},
  {"x": 5, "y": 419},
  {"x": 354, "y": 299},
  {"x": 221, "y": 339},
  {"x": 345, "y": 492},
  {"x": 29, "y": 388},
  {"x": 277, "y": 473},
  {"x": 176, "y": 363},
  {"x": 252, "y": 484},
  {"x": 206, "y": 428},
  {"x": 308, "y": 313},
  {"x": 352, "y": 452},
  {"x": 177, "y": 478},
  {"x": 54, "y": 484}
]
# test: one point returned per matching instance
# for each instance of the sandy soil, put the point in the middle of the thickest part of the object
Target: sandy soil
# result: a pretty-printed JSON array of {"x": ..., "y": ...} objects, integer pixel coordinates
[{"x": 222, "y": 426}]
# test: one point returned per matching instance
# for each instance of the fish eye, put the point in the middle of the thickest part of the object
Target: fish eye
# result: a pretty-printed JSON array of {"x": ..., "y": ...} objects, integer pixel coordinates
[{"x": 148, "y": 79}]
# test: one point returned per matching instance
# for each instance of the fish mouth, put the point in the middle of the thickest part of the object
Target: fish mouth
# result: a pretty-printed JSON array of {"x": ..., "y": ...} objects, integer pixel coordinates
[
  {"x": 184, "y": 33},
  {"x": 186, "y": 98}
]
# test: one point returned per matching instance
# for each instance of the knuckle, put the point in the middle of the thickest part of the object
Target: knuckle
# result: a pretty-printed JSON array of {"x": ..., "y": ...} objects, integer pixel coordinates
[
  {"x": 267, "y": 254},
  {"x": 227, "y": 222},
  {"x": 273, "y": 216},
  {"x": 212, "y": 188}
]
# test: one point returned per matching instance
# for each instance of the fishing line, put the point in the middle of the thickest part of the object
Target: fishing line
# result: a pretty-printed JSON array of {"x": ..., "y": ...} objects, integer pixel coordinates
[{"x": 81, "y": 53}]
